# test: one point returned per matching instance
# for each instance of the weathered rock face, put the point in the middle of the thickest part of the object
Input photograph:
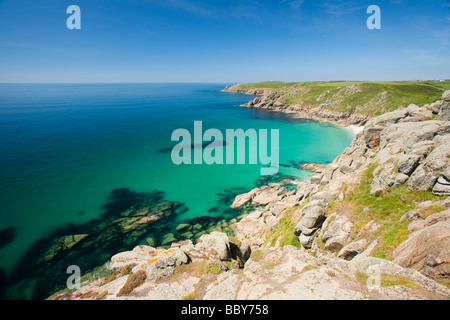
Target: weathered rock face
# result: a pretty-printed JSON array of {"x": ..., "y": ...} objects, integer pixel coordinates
[
  {"x": 260, "y": 196},
  {"x": 267, "y": 195},
  {"x": 311, "y": 220},
  {"x": 444, "y": 112},
  {"x": 442, "y": 186},
  {"x": 217, "y": 242},
  {"x": 352, "y": 249},
  {"x": 157, "y": 263},
  {"x": 436, "y": 106},
  {"x": 245, "y": 198},
  {"x": 372, "y": 136},
  {"x": 335, "y": 232},
  {"x": 274, "y": 274},
  {"x": 427, "y": 250},
  {"x": 410, "y": 148},
  {"x": 386, "y": 175}
]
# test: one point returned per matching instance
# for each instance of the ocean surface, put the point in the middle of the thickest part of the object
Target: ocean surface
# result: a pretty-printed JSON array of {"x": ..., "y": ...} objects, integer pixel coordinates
[{"x": 73, "y": 156}]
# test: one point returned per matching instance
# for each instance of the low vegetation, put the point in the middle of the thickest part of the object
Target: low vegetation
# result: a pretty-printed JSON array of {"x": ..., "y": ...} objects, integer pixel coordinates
[
  {"x": 259, "y": 254},
  {"x": 283, "y": 234},
  {"x": 134, "y": 280},
  {"x": 190, "y": 296},
  {"x": 383, "y": 211},
  {"x": 370, "y": 98}
]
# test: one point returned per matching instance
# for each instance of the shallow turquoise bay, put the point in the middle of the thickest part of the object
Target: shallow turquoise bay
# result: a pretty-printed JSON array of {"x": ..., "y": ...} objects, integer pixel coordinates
[{"x": 64, "y": 149}]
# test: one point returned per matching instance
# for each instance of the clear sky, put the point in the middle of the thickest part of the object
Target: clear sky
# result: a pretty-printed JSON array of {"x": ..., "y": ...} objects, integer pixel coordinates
[{"x": 223, "y": 41}]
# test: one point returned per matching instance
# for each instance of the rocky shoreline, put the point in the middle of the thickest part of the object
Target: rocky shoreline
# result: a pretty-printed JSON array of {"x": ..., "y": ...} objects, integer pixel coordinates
[
  {"x": 373, "y": 224},
  {"x": 270, "y": 101}
]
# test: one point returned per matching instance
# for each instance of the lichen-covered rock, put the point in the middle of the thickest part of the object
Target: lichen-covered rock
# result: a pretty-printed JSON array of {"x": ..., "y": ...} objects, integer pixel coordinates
[
  {"x": 138, "y": 256},
  {"x": 217, "y": 242}
]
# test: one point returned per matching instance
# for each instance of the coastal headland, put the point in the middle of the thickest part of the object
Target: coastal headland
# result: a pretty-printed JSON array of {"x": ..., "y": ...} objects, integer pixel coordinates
[{"x": 373, "y": 224}]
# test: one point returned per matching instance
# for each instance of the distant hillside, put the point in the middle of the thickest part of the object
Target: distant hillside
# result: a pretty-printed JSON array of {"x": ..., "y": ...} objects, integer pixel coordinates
[{"x": 368, "y": 98}]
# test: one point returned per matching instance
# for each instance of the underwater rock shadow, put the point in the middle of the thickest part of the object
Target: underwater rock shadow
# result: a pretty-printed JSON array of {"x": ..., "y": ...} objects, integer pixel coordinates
[
  {"x": 204, "y": 145},
  {"x": 262, "y": 114},
  {"x": 121, "y": 199},
  {"x": 104, "y": 237},
  {"x": 7, "y": 236},
  {"x": 2, "y": 283}
]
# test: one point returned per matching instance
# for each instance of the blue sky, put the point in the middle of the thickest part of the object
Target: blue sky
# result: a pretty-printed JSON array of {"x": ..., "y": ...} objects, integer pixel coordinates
[{"x": 223, "y": 41}]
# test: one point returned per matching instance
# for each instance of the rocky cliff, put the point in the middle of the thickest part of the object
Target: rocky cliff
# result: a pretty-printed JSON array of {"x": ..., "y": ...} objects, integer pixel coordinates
[
  {"x": 373, "y": 224},
  {"x": 343, "y": 102},
  {"x": 321, "y": 113}
]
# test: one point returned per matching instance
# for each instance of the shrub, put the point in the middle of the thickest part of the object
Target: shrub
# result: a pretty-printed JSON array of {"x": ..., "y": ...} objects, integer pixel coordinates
[
  {"x": 134, "y": 280},
  {"x": 190, "y": 296}
]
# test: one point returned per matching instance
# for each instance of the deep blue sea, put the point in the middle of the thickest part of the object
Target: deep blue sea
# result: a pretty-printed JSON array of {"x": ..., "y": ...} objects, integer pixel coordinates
[{"x": 73, "y": 156}]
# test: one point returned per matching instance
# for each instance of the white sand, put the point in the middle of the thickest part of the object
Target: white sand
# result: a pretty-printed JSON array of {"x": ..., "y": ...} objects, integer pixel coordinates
[{"x": 355, "y": 129}]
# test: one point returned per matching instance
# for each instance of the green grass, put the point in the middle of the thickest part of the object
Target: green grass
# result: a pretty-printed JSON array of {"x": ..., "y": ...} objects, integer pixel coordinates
[
  {"x": 284, "y": 233},
  {"x": 385, "y": 209},
  {"x": 259, "y": 254},
  {"x": 440, "y": 84},
  {"x": 373, "y": 99},
  {"x": 263, "y": 85},
  {"x": 190, "y": 296}
]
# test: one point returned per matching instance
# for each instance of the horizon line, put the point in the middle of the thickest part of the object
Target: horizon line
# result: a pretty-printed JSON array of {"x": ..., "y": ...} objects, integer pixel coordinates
[{"x": 223, "y": 82}]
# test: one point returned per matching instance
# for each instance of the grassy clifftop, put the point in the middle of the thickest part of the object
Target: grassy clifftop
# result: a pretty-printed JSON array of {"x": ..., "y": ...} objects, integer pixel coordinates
[{"x": 369, "y": 98}]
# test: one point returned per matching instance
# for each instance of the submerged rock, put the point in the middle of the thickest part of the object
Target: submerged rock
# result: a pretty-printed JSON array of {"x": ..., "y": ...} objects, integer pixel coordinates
[
  {"x": 146, "y": 220},
  {"x": 168, "y": 239},
  {"x": 182, "y": 227},
  {"x": 60, "y": 245}
]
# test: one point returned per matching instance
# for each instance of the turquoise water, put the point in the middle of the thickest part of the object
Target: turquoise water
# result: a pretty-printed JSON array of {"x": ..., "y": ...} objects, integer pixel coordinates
[{"x": 65, "y": 148}]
